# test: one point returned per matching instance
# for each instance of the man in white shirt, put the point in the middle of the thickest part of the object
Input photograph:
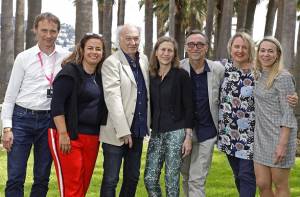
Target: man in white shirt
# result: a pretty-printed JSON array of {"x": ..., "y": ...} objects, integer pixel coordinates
[{"x": 26, "y": 109}]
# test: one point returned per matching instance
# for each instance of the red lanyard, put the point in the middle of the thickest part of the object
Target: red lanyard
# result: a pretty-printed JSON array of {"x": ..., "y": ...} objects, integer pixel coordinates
[{"x": 49, "y": 79}]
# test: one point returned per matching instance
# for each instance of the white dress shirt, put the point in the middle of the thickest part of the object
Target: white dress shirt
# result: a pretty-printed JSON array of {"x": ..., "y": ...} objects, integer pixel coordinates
[{"x": 28, "y": 83}]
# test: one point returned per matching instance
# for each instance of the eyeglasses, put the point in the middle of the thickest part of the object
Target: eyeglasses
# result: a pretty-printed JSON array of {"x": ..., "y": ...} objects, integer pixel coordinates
[{"x": 199, "y": 45}]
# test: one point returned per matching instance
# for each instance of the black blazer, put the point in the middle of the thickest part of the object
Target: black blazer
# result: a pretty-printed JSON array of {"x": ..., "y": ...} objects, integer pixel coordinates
[
  {"x": 182, "y": 103},
  {"x": 179, "y": 103}
]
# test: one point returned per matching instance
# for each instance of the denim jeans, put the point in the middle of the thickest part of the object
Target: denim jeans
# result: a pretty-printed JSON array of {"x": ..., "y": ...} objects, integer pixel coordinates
[
  {"x": 244, "y": 176},
  {"x": 113, "y": 156},
  {"x": 29, "y": 129}
]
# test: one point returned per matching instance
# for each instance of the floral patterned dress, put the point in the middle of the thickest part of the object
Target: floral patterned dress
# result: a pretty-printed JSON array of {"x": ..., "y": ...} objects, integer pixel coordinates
[{"x": 236, "y": 113}]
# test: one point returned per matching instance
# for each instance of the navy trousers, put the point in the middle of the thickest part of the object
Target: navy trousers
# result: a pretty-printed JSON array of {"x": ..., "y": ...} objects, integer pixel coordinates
[
  {"x": 113, "y": 157},
  {"x": 244, "y": 176},
  {"x": 29, "y": 128}
]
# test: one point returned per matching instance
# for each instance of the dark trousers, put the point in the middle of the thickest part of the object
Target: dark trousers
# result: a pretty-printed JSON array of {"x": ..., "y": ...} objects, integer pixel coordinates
[
  {"x": 113, "y": 156},
  {"x": 29, "y": 129},
  {"x": 244, "y": 176}
]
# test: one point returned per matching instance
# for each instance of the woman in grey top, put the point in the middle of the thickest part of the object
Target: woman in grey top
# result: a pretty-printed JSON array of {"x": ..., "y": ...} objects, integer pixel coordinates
[{"x": 276, "y": 126}]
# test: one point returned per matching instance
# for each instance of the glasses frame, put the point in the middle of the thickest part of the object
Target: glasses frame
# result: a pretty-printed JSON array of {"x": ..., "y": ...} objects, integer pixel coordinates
[{"x": 198, "y": 45}]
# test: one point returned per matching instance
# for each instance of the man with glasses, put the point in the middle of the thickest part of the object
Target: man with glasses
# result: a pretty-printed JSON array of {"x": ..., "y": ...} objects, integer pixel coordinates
[
  {"x": 126, "y": 93},
  {"x": 26, "y": 109},
  {"x": 206, "y": 78}
]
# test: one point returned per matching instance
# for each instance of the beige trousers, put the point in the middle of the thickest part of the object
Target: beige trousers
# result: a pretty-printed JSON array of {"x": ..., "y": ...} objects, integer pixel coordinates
[{"x": 195, "y": 167}]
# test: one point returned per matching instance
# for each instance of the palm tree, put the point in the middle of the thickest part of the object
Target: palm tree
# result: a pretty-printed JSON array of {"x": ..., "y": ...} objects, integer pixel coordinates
[
  {"x": 210, "y": 22},
  {"x": 148, "y": 27},
  {"x": 84, "y": 18},
  {"x": 251, "y": 5},
  {"x": 296, "y": 72},
  {"x": 121, "y": 12},
  {"x": 224, "y": 31},
  {"x": 19, "y": 28},
  {"x": 34, "y": 9},
  {"x": 278, "y": 32},
  {"x": 172, "y": 18},
  {"x": 181, "y": 23},
  {"x": 288, "y": 27},
  {"x": 272, "y": 7},
  {"x": 100, "y": 15},
  {"x": 195, "y": 13},
  {"x": 107, "y": 23},
  {"x": 161, "y": 10},
  {"x": 241, "y": 14},
  {"x": 7, "y": 44}
]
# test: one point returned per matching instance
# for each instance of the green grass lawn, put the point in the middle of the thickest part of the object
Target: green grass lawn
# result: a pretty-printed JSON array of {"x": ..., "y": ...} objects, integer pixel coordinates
[{"x": 220, "y": 181}]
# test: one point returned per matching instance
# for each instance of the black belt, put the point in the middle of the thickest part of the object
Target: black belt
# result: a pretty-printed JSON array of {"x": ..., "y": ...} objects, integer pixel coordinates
[{"x": 30, "y": 111}]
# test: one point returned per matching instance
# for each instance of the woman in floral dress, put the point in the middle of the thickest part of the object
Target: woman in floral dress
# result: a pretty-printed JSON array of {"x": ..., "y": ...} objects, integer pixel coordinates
[{"x": 236, "y": 121}]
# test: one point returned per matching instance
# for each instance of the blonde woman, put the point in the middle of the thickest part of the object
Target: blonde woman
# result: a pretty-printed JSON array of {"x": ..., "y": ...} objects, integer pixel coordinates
[
  {"x": 276, "y": 125},
  {"x": 236, "y": 113}
]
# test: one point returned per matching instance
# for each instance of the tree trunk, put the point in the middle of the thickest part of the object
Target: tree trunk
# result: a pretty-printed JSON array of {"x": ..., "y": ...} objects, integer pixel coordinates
[
  {"x": 19, "y": 28},
  {"x": 148, "y": 27},
  {"x": 241, "y": 15},
  {"x": 100, "y": 16},
  {"x": 107, "y": 23},
  {"x": 160, "y": 24},
  {"x": 296, "y": 74},
  {"x": 272, "y": 7},
  {"x": 84, "y": 18},
  {"x": 217, "y": 27},
  {"x": 7, "y": 45},
  {"x": 179, "y": 30},
  {"x": 251, "y": 5},
  {"x": 210, "y": 22},
  {"x": 193, "y": 18},
  {"x": 34, "y": 9},
  {"x": 225, "y": 29},
  {"x": 121, "y": 12},
  {"x": 278, "y": 32},
  {"x": 288, "y": 37},
  {"x": 171, "y": 18}
]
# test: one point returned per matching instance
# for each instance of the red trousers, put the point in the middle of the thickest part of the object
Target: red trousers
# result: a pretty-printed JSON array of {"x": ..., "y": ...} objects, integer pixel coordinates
[{"x": 74, "y": 170}]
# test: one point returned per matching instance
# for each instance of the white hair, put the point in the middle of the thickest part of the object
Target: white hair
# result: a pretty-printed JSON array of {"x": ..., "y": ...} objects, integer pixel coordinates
[{"x": 120, "y": 29}]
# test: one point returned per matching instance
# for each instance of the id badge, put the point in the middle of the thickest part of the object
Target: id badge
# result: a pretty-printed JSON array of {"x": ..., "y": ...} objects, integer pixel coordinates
[{"x": 49, "y": 93}]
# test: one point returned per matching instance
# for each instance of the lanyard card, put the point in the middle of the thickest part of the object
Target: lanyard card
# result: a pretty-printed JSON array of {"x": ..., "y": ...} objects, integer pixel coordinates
[{"x": 49, "y": 92}]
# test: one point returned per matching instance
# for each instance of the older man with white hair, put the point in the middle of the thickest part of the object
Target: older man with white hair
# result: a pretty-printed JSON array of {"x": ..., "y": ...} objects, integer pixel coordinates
[{"x": 126, "y": 92}]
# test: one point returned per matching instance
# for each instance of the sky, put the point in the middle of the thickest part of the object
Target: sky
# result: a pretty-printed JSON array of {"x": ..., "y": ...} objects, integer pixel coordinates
[{"x": 65, "y": 10}]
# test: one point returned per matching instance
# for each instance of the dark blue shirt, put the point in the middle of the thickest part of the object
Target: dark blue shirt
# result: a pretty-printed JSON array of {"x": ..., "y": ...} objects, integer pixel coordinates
[
  {"x": 204, "y": 125},
  {"x": 139, "y": 123},
  {"x": 89, "y": 97}
]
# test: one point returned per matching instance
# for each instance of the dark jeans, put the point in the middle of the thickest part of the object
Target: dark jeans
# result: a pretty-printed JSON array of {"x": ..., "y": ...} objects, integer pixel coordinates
[
  {"x": 28, "y": 128},
  {"x": 244, "y": 176},
  {"x": 113, "y": 156}
]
